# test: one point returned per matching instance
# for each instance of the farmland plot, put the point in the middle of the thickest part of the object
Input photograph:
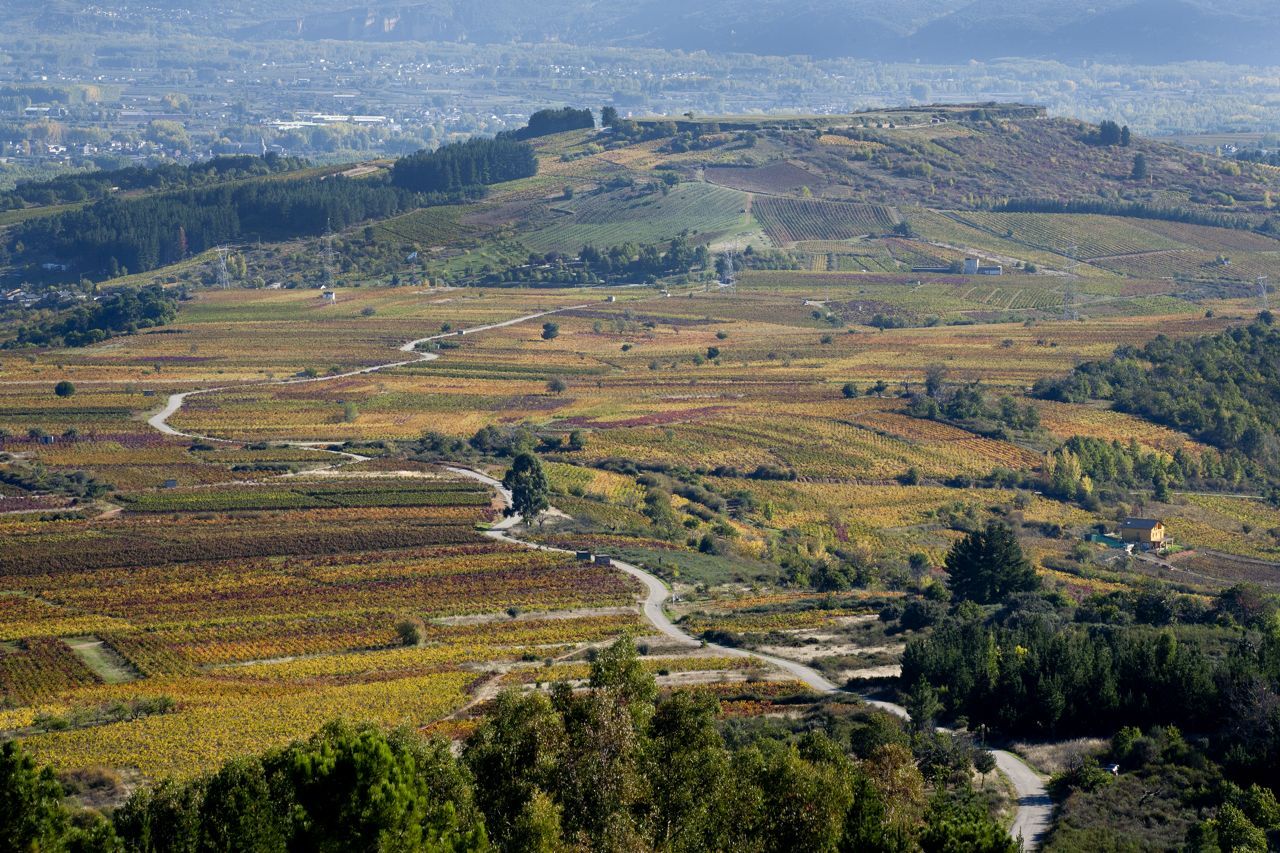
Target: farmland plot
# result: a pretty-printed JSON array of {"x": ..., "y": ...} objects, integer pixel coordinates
[
  {"x": 613, "y": 219},
  {"x": 789, "y": 220}
]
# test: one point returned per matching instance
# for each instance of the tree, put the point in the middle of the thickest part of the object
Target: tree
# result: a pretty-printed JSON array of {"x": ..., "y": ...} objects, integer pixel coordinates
[
  {"x": 1139, "y": 172},
  {"x": 959, "y": 826},
  {"x": 688, "y": 769},
  {"x": 528, "y": 486},
  {"x": 988, "y": 565},
  {"x": 1108, "y": 133},
  {"x": 557, "y": 385},
  {"x": 550, "y": 331},
  {"x": 935, "y": 377},
  {"x": 64, "y": 389},
  {"x": 984, "y": 761},
  {"x": 713, "y": 353},
  {"x": 359, "y": 789},
  {"x": 849, "y": 390},
  {"x": 32, "y": 814},
  {"x": 608, "y": 116},
  {"x": 923, "y": 706},
  {"x": 1125, "y": 136},
  {"x": 577, "y": 440},
  {"x": 238, "y": 811},
  {"x": 513, "y": 756}
]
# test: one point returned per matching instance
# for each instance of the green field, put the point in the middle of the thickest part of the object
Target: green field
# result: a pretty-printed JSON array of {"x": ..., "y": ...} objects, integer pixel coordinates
[{"x": 612, "y": 219}]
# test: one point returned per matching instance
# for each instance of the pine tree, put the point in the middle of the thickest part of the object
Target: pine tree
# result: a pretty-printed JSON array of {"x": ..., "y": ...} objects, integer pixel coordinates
[{"x": 988, "y": 565}]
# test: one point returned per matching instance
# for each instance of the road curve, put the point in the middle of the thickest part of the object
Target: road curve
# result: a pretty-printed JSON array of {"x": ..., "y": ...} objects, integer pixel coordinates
[
  {"x": 160, "y": 420},
  {"x": 1035, "y": 810}
]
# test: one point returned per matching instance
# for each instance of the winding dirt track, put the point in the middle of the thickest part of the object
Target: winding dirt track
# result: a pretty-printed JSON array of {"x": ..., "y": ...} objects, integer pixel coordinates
[{"x": 1035, "y": 809}]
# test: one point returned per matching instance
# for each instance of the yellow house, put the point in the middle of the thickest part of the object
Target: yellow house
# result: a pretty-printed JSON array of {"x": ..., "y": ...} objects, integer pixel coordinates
[{"x": 1147, "y": 531}]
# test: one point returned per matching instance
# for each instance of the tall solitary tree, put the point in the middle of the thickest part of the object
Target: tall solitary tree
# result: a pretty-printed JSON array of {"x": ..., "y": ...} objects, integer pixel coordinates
[
  {"x": 1139, "y": 167},
  {"x": 608, "y": 117},
  {"x": 988, "y": 565},
  {"x": 528, "y": 486}
]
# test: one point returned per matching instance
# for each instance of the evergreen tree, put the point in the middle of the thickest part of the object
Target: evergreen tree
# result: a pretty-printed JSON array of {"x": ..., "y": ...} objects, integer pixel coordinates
[
  {"x": 528, "y": 486},
  {"x": 32, "y": 814},
  {"x": 988, "y": 565},
  {"x": 1139, "y": 172}
]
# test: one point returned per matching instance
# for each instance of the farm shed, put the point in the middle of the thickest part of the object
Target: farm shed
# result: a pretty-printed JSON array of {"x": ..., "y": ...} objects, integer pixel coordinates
[{"x": 1145, "y": 531}]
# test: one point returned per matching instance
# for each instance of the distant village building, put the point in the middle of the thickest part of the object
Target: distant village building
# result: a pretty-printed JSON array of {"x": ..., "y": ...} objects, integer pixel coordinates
[{"x": 1144, "y": 531}]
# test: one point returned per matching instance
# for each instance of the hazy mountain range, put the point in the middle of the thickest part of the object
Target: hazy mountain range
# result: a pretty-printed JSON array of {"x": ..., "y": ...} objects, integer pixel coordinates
[{"x": 944, "y": 31}]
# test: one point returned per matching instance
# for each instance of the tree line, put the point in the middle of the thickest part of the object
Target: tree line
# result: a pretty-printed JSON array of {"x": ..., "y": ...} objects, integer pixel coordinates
[
  {"x": 1131, "y": 209},
  {"x": 464, "y": 166},
  {"x": 122, "y": 311},
  {"x": 1082, "y": 465},
  {"x": 114, "y": 236},
  {"x": 1029, "y": 664},
  {"x": 547, "y": 122},
  {"x": 1222, "y": 389},
  {"x": 83, "y": 186},
  {"x": 613, "y": 767}
]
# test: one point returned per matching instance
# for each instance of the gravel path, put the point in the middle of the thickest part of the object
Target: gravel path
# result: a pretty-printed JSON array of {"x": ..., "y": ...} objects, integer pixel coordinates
[{"x": 1035, "y": 810}]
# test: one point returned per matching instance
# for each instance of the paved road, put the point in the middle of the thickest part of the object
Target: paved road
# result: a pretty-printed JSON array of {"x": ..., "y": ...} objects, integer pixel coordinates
[{"x": 1034, "y": 807}]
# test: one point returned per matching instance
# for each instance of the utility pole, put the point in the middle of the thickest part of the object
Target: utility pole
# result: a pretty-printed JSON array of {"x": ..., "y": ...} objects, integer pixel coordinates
[
  {"x": 224, "y": 275},
  {"x": 327, "y": 257},
  {"x": 730, "y": 269}
]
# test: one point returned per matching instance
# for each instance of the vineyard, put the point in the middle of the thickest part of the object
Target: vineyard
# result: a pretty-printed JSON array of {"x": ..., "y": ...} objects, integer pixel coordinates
[
  {"x": 1092, "y": 236},
  {"x": 269, "y": 608},
  {"x": 167, "y": 601},
  {"x": 612, "y": 219},
  {"x": 789, "y": 220}
]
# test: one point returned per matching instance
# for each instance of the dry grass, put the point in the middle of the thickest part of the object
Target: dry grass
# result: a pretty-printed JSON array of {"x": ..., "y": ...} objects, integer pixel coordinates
[{"x": 1056, "y": 757}]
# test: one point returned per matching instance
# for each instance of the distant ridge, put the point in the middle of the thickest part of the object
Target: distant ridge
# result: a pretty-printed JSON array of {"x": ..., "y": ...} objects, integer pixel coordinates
[{"x": 1146, "y": 31}]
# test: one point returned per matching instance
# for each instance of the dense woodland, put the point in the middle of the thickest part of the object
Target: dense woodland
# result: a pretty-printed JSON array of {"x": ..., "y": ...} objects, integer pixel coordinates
[
  {"x": 626, "y": 262},
  {"x": 118, "y": 235},
  {"x": 1223, "y": 389},
  {"x": 547, "y": 122},
  {"x": 465, "y": 166},
  {"x": 1019, "y": 662}
]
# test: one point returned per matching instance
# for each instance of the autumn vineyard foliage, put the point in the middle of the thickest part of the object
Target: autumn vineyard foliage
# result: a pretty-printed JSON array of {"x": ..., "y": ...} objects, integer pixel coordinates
[{"x": 796, "y": 457}]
